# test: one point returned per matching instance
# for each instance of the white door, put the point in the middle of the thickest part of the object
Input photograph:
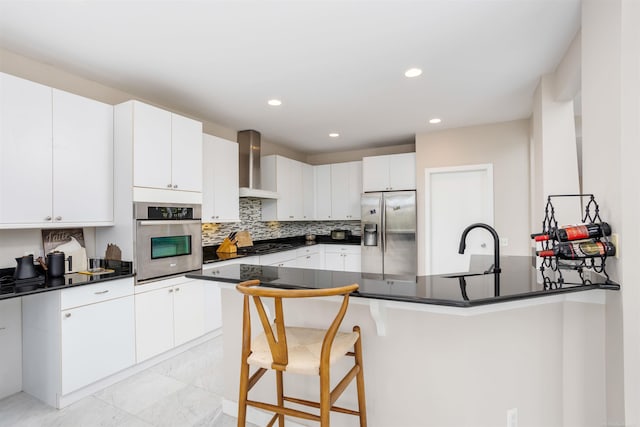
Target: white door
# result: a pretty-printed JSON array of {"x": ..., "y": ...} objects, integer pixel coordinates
[
  {"x": 308, "y": 195},
  {"x": 375, "y": 173},
  {"x": 154, "y": 323},
  {"x": 220, "y": 180},
  {"x": 456, "y": 197},
  {"x": 188, "y": 311},
  {"x": 323, "y": 191}
]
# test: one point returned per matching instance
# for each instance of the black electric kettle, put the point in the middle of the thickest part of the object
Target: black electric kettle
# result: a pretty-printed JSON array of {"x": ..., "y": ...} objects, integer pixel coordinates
[
  {"x": 55, "y": 264},
  {"x": 25, "y": 268}
]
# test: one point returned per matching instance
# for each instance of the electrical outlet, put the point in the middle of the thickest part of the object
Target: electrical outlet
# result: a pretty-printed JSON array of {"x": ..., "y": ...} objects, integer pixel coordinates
[
  {"x": 615, "y": 240},
  {"x": 512, "y": 417}
]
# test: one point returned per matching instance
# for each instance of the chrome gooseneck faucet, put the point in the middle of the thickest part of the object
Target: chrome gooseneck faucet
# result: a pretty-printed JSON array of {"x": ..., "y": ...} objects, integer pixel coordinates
[{"x": 496, "y": 250}]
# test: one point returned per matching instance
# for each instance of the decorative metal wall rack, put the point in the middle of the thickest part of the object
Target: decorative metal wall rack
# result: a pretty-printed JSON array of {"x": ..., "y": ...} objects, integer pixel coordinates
[{"x": 554, "y": 266}]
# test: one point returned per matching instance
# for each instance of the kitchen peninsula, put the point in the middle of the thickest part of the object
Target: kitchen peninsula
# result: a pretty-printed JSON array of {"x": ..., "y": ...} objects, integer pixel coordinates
[{"x": 435, "y": 345}]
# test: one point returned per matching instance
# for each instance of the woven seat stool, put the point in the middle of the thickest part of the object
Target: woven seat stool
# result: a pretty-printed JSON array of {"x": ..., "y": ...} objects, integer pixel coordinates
[{"x": 297, "y": 350}]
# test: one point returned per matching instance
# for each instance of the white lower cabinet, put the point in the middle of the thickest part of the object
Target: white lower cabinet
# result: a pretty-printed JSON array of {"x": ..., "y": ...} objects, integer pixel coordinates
[
  {"x": 168, "y": 313},
  {"x": 310, "y": 257},
  {"x": 97, "y": 341},
  {"x": 74, "y": 337},
  {"x": 10, "y": 347},
  {"x": 342, "y": 258}
]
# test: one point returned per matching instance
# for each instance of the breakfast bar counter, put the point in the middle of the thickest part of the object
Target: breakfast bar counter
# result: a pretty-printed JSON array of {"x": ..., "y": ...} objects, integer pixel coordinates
[{"x": 435, "y": 344}]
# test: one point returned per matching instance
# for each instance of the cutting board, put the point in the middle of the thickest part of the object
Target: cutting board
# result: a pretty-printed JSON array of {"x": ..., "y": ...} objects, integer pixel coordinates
[{"x": 244, "y": 239}]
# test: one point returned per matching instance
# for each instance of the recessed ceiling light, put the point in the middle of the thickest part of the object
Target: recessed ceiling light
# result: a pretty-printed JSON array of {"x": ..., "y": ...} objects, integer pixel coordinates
[
  {"x": 334, "y": 134},
  {"x": 435, "y": 121},
  {"x": 274, "y": 102},
  {"x": 413, "y": 72}
]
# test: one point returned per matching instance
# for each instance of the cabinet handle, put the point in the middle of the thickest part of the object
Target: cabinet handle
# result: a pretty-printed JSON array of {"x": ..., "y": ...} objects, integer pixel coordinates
[
  {"x": 2, "y": 328},
  {"x": 47, "y": 218},
  {"x": 308, "y": 256},
  {"x": 177, "y": 289},
  {"x": 58, "y": 218},
  {"x": 169, "y": 185},
  {"x": 170, "y": 290},
  {"x": 67, "y": 315},
  {"x": 101, "y": 292},
  {"x": 175, "y": 185}
]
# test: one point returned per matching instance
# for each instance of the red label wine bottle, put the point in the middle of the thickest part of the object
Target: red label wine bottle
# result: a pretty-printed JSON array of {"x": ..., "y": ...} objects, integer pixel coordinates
[
  {"x": 578, "y": 250},
  {"x": 575, "y": 232}
]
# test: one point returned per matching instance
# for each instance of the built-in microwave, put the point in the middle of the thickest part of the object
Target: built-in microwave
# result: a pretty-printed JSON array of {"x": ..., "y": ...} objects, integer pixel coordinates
[{"x": 168, "y": 239}]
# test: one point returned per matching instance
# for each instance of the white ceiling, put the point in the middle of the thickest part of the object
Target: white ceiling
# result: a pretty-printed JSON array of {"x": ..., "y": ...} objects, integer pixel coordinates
[{"x": 337, "y": 66}]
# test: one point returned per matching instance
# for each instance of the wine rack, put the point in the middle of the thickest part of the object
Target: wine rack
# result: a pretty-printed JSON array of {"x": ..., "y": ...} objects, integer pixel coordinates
[{"x": 552, "y": 266}]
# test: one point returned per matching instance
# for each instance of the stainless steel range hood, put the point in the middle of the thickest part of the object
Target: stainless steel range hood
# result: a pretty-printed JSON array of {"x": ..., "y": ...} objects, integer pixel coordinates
[{"x": 249, "y": 159}]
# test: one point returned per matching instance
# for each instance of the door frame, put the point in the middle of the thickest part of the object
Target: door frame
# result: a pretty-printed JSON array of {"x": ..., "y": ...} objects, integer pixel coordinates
[{"x": 428, "y": 172}]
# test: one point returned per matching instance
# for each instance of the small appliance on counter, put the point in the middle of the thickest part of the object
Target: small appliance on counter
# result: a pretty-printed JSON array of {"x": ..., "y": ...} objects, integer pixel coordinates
[
  {"x": 25, "y": 268},
  {"x": 340, "y": 234}
]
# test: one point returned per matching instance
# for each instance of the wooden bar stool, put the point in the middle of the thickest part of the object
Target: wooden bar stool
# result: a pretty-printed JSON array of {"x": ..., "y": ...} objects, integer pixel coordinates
[{"x": 298, "y": 350}]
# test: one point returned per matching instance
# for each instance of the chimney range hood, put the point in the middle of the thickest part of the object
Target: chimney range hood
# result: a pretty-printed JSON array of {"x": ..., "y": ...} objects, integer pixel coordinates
[{"x": 249, "y": 162}]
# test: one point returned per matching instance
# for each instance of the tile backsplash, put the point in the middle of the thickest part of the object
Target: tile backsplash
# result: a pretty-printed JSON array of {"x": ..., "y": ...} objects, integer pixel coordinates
[{"x": 251, "y": 220}]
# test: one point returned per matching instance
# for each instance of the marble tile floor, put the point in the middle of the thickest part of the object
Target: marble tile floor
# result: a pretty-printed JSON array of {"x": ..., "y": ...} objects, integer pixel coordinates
[{"x": 183, "y": 391}]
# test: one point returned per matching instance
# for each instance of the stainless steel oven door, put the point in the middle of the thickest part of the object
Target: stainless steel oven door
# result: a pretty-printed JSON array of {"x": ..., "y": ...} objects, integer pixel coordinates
[{"x": 167, "y": 248}]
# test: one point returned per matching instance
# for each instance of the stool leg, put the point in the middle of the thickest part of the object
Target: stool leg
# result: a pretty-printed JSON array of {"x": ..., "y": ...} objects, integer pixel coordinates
[
  {"x": 362, "y": 405},
  {"x": 242, "y": 399},
  {"x": 325, "y": 397},
  {"x": 280, "y": 389}
]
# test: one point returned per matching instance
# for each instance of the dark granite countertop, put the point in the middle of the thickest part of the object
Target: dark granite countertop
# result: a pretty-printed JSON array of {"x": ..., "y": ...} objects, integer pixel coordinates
[
  {"x": 42, "y": 283},
  {"x": 209, "y": 254},
  {"x": 519, "y": 279}
]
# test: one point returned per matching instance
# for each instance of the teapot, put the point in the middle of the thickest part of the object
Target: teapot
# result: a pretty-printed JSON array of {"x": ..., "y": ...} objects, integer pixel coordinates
[{"x": 25, "y": 268}]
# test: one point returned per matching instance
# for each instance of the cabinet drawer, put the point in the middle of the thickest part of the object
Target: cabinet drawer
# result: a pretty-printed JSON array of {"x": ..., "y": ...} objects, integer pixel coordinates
[
  {"x": 278, "y": 257},
  {"x": 90, "y": 294},
  {"x": 308, "y": 250},
  {"x": 342, "y": 249}
]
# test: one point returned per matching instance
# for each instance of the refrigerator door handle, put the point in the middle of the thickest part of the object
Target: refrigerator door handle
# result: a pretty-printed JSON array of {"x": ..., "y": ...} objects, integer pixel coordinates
[{"x": 383, "y": 223}]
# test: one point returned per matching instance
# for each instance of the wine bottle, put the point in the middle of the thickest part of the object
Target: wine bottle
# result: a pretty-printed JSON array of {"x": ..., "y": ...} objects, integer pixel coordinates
[
  {"x": 575, "y": 232},
  {"x": 578, "y": 250}
]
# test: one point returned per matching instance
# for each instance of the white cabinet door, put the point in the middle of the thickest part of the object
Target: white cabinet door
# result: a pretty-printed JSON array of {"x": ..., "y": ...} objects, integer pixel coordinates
[
  {"x": 323, "y": 192},
  {"x": 188, "y": 311},
  {"x": 346, "y": 188},
  {"x": 333, "y": 261},
  {"x": 313, "y": 260},
  {"x": 375, "y": 173},
  {"x": 402, "y": 172},
  {"x": 154, "y": 323},
  {"x": 352, "y": 262},
  {"x": 212, "y": 306},
  {"x": 10, "y": 347},
  {"x": 25, "y": 150},
  {"x": 97, "y": 340},
  {"x": 308, "y": 194},
  {"x": 82, "y": 159},
  {"x": 152, "y": 146},
  {"x": 220, "y": 198},
  {"x": 186, "y": 154},
  {"x": 284, "y": 176}
]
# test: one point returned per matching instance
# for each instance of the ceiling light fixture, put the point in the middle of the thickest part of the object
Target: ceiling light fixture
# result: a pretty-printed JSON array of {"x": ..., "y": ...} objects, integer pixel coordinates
[
  {"x": 435, "y": 121},
  {"x": 334, "y": 134},
  {"x": 274, "y": 102},
  {"x": 413, "y": 72}
]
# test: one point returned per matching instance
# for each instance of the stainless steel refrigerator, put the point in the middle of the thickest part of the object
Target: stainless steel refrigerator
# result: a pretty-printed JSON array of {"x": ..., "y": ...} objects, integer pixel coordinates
[{"x": 389, "y": 234}]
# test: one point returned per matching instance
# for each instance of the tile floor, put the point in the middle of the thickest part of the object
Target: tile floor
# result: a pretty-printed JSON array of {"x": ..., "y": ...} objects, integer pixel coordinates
[{"x": 183, "y": 391}]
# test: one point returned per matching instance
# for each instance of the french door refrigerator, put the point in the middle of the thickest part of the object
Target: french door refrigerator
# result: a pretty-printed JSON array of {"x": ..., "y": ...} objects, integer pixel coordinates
[{"x": 388, "y": 221}]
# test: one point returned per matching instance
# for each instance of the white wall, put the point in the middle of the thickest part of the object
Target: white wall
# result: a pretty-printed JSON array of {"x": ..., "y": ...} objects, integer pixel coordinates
[
  {"x": 610, "y": 150},
  {"x": 506, "y": 146}
]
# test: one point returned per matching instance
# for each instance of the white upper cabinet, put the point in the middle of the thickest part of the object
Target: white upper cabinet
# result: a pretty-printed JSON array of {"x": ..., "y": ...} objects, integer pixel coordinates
[
  {"x": 220, "y": 180},
  {"x": 82, "y": 159},
  {"x": 167, "y": 151},
  {"x": 389, "y": 173},
  {"x": 346, "y": 188},
  {"x": 152, "y": 146},
  {"x": 308, "y": 194},
  {"x": 57, "y": 154},
  {"x": 323, "y": 191},
  {"x": 284, "y": 176}
]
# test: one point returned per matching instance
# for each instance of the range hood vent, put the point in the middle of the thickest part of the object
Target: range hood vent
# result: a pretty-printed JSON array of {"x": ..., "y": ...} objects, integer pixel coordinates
[{"x": 249, "y": 159}]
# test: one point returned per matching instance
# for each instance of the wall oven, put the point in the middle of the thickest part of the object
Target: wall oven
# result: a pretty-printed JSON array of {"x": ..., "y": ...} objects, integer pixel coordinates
[{"x": 168, "y": 239}]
